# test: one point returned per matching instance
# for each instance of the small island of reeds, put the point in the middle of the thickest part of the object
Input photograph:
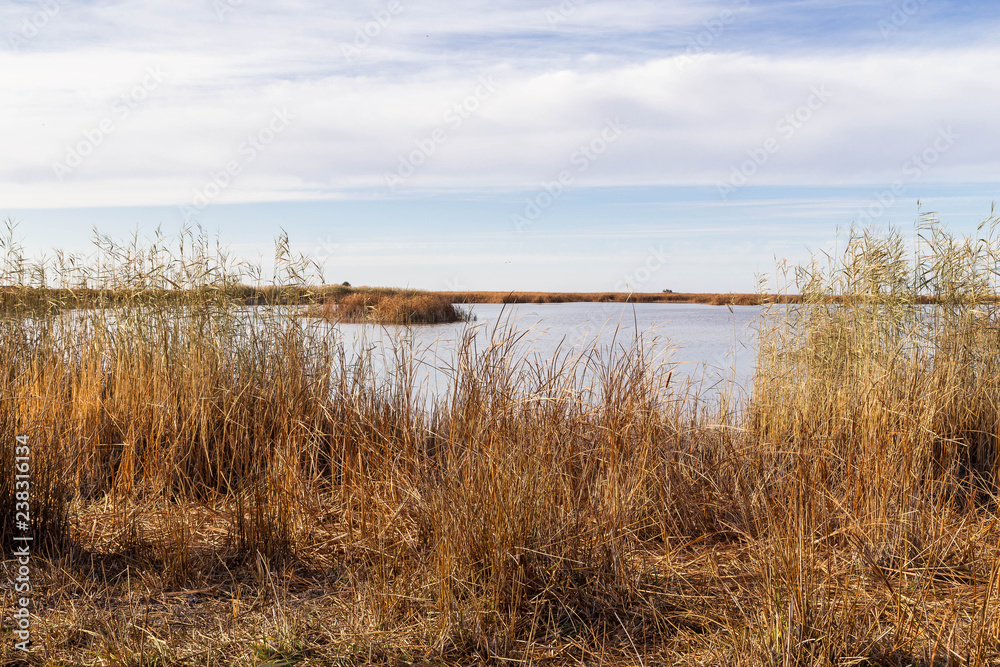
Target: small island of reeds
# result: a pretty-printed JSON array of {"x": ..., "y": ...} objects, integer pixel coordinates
[{"x": 376, "y": 306}]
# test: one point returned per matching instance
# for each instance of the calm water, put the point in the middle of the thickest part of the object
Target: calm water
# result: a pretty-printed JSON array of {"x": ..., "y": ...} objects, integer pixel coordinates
[{"x": 708, "y": 344}]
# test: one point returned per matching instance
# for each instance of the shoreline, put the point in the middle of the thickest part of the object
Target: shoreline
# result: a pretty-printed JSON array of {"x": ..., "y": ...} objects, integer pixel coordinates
[
  {"x": 287, "y": 295},
  {"x": 712, "y": 299},
  {"x": 16, "y": 299}
]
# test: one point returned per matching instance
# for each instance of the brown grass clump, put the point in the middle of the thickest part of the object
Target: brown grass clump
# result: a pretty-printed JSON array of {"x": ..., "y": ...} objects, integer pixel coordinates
[
  {"x": 214, "y": 484},
  {"x": 392, "y": 308}
]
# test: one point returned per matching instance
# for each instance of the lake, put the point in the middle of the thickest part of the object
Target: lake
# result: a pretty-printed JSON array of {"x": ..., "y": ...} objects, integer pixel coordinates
[{"x": 707, "y": 344}]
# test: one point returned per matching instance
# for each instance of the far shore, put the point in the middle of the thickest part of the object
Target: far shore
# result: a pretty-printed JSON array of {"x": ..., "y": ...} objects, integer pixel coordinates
[
  {"x": 328, "y": 295},
  {"x": 713, "y": 299},
  {"x": 318, "y": 295}
]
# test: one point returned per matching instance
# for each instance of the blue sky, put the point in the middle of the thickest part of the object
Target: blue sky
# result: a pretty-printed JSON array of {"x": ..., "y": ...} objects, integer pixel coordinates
[{"x": 568, "y": 145}]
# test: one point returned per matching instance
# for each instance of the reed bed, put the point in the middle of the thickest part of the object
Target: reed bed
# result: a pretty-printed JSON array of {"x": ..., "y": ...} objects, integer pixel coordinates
[
  {"x": 372, "y": 306},
  {"x": 726, "y": 299},
  {"x": 323, "y": 299},
  {"x": 217, "y": 484}
]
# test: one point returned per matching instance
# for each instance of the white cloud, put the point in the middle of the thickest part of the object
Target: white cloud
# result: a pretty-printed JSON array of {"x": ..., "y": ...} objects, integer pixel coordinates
[{"x": 353, "y": 121}]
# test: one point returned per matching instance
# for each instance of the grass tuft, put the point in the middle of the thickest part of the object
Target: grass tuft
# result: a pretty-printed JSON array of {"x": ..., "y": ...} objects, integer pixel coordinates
[{"x": 379, "y": 307}]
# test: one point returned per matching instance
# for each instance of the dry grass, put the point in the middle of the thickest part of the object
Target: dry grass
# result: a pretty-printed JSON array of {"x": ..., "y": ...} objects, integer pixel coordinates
[
  {"x": 217, "y": 485},
  {"x": 390, "y": 308},
  {"x": 322, "y": 299},
  {"x": 619, "y": 297}
]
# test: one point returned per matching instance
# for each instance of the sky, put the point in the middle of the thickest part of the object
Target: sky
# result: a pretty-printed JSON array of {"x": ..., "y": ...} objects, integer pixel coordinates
[{"x": 572, "y": 145}]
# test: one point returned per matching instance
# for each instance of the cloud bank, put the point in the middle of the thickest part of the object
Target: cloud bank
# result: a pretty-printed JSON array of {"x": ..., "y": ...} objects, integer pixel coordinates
[{"x": 152, "y": 103}]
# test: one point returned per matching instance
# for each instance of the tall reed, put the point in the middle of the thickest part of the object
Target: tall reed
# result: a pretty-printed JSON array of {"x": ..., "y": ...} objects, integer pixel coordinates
[{"x": 875, "y": 412}]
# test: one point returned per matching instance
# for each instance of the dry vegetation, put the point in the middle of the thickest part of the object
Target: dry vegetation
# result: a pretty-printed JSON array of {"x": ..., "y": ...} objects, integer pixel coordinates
[
  {"x": 220, "y": 485},
  {"x": 729, "y": 299},
  {"x": 405, "y": 307},
  {"x": 323, "y": 299}
]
